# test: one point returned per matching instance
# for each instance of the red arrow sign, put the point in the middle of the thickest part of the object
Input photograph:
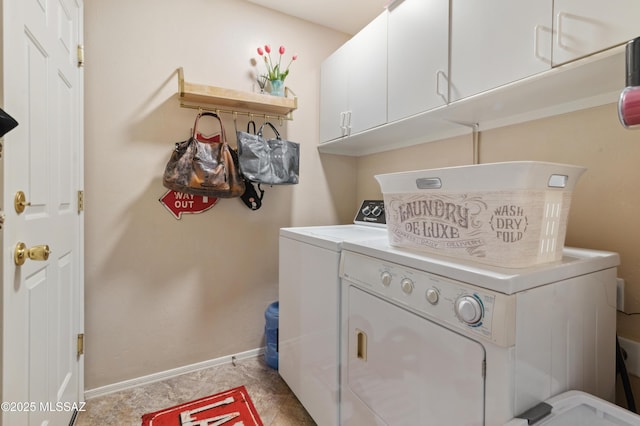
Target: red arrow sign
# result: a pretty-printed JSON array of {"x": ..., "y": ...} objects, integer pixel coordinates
[{"x": 179, "y": 202}]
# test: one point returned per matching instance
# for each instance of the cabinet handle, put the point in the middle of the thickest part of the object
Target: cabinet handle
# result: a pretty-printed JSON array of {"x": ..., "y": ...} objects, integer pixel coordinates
[
  {"x": 559, "y": 28},
  {"x": 559, "y": 19},
  {"x": 391, "y": 4},
  {"x": 535, "y": 42},
  {"x": 444, "y": 96},
  {"x": 361, "y": 345},
  {"x": 343, "y": 117},
  {"x": 348, "y": 125},
  {"x": 536, "y": 53}
]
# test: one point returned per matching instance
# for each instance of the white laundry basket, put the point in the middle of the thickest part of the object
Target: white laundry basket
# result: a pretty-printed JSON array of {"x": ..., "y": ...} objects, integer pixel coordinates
[{"x": 511, "y": 214}]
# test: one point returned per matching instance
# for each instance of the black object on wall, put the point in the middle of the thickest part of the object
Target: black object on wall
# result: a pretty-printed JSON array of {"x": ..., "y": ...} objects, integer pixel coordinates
[
  {"x": 629, "y": 102},
  {"x": 7, "y": 123}
]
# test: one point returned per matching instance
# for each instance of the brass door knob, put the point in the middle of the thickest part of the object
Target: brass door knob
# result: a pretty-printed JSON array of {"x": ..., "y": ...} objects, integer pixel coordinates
[
  {"x": 20, "y": 202},
  {"x": 21, "y": 253}
]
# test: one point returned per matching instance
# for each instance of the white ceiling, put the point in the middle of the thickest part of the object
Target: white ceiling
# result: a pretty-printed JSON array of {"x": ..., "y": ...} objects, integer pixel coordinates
[{"x": 347, "y": 16}]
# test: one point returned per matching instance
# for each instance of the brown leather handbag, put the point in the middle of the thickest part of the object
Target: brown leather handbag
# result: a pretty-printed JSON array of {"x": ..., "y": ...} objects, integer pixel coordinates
[{"x": 202, "y": 167}]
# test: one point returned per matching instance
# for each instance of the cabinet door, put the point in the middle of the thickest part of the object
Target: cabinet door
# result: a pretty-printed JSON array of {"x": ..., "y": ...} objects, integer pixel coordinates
[
  {"x": 418, "y": 65},
  {"x": 368, "y": 76},
  {"x": 585, "y": 27},
  {"x": 495, "y": 42},
  {"x": 334, "y": 77}
]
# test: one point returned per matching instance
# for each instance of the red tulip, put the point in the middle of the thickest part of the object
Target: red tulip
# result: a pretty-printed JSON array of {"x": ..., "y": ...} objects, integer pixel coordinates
[
  {"x": 293, "y": 58},
  {"x": 274, "y": 70}
]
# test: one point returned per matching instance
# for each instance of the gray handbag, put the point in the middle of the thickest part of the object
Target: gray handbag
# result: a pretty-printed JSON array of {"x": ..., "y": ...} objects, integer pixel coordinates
[{"x": 268, "y": 161}]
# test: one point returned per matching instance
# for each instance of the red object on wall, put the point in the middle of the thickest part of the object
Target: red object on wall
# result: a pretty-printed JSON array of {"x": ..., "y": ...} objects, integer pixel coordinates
[
  {"x": 629, "y": 107},
  {"x": 178, "y": 203},
  {"x": 629, "y": 102}
]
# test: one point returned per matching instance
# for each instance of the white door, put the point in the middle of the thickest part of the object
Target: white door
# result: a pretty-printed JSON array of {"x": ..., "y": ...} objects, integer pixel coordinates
[
  {"x": 401, "y": 369},
  {"x": 496, "y": 42},
  {"x": 586, "y": 27},
  {"x": 418, "y": 50},
  {"x": 353, "y": 84},
  {"x": 42, "y": 157},
  {"x": 334, "y": 103},
  {"x": 368, "y": 76}
]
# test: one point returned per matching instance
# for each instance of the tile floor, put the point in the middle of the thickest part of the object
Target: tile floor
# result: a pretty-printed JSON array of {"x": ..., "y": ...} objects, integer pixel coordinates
[{"x": 274, "y": 401}]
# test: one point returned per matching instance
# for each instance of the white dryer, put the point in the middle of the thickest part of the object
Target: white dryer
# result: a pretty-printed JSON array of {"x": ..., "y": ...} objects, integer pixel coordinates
[
  {"x": 433, "y": 341},
  {"x": 309, "y": 307}
]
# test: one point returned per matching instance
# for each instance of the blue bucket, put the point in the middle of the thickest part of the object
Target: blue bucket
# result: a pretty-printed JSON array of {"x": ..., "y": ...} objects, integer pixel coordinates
[{"x": 271, "y": 316}]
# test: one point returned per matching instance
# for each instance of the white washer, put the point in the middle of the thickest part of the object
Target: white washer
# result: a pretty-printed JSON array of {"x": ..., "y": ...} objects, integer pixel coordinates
[
  {"x": 577, "y": 408},
  {"x": 309, "y": 308},
  {"x": 432, "y": 341}
]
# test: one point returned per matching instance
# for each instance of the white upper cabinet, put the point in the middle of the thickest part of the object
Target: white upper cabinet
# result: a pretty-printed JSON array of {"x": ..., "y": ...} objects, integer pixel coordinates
[
  {"x": 428, "y": 69},
  {"x": 585, "y": 27},
  {"x": 418, "y": 57},
  {"x": 353, "y": 84},
  {"x": 334, "y": 103},
  {"x": 495, "y": 42},
  {"x": 368, "y": 76}
]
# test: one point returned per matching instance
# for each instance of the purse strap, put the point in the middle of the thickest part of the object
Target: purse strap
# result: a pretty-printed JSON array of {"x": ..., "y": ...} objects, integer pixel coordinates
[
  {"x": 251, "y": 124},
  {"x": 223, "y": 138},
  {"x": 272, "y": 128}
]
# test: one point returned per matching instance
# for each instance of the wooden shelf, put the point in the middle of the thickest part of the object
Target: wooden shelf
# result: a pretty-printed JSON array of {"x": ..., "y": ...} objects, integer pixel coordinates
[{"x": 219, "y": 99}]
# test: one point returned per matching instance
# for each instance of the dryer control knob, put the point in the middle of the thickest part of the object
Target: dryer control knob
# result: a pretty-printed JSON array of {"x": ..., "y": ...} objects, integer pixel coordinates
[
  {"x": 385, "y": 277},
  {"x": 432, "y": 296},
  {"x": 407, "y": 285},
  {"x": 468, "y": 309}
]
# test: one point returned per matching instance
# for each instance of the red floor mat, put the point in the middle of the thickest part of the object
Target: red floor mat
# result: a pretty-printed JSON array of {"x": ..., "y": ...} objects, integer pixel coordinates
[{"x": 222, "y": 409}]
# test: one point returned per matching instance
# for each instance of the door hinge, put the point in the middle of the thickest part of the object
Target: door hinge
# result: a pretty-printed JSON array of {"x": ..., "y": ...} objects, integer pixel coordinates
[
  {"x": 80, "y": 56},
  {"x": 80, "y": 201},
  {"x": 80, "y": 344}
]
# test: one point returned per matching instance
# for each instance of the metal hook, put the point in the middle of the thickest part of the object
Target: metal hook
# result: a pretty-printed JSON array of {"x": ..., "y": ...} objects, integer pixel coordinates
[{"x": 235, "y": 121}]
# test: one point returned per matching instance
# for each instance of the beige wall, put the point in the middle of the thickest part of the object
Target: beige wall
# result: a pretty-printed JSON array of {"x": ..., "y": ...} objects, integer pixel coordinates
[{"x": 163, "y": 293}]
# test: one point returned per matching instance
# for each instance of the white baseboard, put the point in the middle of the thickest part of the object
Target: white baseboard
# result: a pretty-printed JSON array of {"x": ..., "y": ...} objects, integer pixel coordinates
[{"x": 163, "y": 375}]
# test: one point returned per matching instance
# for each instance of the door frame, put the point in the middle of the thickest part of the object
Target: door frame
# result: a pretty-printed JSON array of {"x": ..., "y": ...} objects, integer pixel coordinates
[{"x": 13, "y": 389}]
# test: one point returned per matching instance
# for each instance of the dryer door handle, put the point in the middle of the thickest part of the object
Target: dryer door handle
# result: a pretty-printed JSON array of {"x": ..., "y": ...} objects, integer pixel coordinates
[{"x": 361, "y": 345}]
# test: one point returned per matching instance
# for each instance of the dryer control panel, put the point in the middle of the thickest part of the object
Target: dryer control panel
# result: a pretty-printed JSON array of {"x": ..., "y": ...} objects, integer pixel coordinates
[
  {"x": 454, "y": 304},
  {"x": 371, "y": 212}
]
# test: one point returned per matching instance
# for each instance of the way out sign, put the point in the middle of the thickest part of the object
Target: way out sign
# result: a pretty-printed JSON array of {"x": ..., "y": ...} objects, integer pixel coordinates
[{"x": 179, "y": 202}]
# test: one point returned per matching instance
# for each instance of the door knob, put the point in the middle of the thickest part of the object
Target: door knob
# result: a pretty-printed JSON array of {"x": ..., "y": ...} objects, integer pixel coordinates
[
  {"x": 21, "y": 254},
  {"x": 20, "y": 202}
]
